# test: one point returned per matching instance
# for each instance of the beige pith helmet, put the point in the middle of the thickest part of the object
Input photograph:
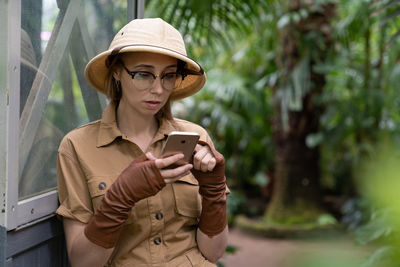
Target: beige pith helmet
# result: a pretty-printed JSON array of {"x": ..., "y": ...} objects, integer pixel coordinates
[{"x": 148, "y": 35}]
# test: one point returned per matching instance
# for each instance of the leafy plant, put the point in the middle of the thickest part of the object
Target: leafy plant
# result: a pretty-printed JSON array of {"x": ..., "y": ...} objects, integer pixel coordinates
[
  {"x": 380, "y": 185},
  {"x": 361, "y": 99}
]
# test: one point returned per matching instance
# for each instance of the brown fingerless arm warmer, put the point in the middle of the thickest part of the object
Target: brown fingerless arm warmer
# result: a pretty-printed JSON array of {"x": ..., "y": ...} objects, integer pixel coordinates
[
  {"x": 212, "y": 189},
  {"x": 141, "y": 179}
]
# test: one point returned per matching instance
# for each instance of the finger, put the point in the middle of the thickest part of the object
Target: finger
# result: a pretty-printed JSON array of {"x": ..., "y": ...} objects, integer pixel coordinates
[
  {"x": 176, "y": 172},
  {"x": 205, "y": 161},
  {"x": 150, "y": 156},
  {"x": 197, "y": 148},
  {"x": 165, "y": 162},
  {"x": 174, "y": 179},
  {"x": 211, "y": 164},
  {"x": 198, "y": 157}
]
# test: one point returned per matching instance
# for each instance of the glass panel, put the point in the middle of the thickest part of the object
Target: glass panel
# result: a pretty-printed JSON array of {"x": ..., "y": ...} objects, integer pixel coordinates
[
  {"x": 31, "y": 45},
  {"x": 37, "y": 21},
  {"x": 104, "y": 19},
  {"x": 65, "y": 107},
  {"x": 64, "y": 111}
]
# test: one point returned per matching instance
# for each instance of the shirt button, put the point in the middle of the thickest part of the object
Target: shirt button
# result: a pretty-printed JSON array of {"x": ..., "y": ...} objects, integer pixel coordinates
[
  {"x": 159, "y": 216},
  {"x": 102, "y": 185},
  {"x": 157, "y": 241}
]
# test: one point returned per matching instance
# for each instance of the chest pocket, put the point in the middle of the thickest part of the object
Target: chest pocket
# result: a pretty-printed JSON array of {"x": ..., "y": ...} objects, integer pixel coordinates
[
  {"x": 98, "y": 186},
  {"x": 187, "y": 197}
]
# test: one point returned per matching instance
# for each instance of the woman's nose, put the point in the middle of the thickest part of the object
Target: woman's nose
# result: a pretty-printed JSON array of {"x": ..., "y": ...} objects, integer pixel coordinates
[{"x": 157, "y": 86}]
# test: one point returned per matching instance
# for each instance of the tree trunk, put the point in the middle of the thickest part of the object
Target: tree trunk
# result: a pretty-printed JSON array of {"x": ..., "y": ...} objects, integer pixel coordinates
[{"x": 296, "y": 197}]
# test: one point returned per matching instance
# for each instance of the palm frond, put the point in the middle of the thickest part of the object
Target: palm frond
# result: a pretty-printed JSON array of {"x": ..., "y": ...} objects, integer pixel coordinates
[
  {"x": 381, "y": 5},
  {"x": 210, "y": 19},
  {"x": 393, "y": 39},
  {"x": 389, "y": 12},
  {"x": 390, "y": 17}
]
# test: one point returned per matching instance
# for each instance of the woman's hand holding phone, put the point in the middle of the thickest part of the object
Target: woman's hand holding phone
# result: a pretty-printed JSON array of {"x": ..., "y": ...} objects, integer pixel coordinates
[
  {"x": 203, "y": 159},
  {"x": 180, "y": 150},
  {"x": 212, "y": 186},
  {"x": 173, "y": 174}
]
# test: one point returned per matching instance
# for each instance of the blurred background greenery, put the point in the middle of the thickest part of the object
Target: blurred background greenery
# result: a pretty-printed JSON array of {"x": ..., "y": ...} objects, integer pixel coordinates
[{"x": 300, "y": 97}]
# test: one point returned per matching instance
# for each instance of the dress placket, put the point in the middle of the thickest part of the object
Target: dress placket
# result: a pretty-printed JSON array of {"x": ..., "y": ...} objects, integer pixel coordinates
[{"x": 156, "y": 239}]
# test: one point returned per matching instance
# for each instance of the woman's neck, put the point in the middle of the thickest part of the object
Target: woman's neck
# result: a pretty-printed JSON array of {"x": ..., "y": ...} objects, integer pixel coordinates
[{"x": 138, "y": 128}]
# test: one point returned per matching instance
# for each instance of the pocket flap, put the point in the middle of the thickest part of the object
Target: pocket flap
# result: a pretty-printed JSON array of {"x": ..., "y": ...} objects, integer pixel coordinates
[
  {"x": 98, "y": 185},
  {"x": 188, "y": 179}
]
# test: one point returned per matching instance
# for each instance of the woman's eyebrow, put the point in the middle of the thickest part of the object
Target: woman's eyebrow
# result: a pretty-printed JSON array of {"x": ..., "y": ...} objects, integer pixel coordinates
[
  {"x": 152, "y": 67},
  {"x": 144, "y": 66},
  {"x": 171, "y": 66}
]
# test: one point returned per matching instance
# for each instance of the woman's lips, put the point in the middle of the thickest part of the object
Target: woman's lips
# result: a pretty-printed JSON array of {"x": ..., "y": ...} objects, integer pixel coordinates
[{"x": 152, "y": 104}]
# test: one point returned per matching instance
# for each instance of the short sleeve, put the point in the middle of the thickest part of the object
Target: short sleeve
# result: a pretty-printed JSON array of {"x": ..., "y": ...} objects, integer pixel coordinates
[{"x": 73, "y": 192}]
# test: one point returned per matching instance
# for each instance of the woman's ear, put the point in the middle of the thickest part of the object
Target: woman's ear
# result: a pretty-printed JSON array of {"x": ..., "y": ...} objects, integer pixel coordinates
[{"x": 116, "y": 75}]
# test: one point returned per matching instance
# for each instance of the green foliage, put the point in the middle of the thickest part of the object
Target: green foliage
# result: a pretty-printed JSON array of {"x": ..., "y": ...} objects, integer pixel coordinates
[
  {"x": 379, "y": 184},
  {"x": 235, "y": 105},
  {"x": 208, "y": 21},
  {"x": 355, "y": 212},
  {"x": 360, "y": 100},
  {"x": 236, "y": 203},
  {"x": 231, "y": 249},
  {"x": 261, "y": 179},
  {"x": 58, "y": 109},
  {"x": 326, "y": 219},
  {"x": 389, "y": 11},
  {"x": 385, "y": 256},
  {"x": 237, "y": 121}
]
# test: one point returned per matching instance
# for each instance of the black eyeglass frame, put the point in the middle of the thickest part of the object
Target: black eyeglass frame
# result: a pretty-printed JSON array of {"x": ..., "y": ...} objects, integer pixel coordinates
[{"x": 162, "y": 75}]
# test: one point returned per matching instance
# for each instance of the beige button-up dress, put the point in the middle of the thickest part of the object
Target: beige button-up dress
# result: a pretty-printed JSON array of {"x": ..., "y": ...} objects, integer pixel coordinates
[{"x": 161, "y": 231}]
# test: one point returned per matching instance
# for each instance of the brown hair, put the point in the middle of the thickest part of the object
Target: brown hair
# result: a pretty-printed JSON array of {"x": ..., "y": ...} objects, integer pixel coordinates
[{"x": 113, "y": 88}]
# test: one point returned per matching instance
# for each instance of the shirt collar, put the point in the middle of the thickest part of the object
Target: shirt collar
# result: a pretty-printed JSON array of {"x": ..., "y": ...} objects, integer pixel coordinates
[
  {"x": 166, "y": 126},
  {"x": 109, "y": 130}
]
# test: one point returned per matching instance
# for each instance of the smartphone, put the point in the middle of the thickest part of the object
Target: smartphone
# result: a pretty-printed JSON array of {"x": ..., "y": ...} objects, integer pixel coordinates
[{"x": 181, "y": 142}]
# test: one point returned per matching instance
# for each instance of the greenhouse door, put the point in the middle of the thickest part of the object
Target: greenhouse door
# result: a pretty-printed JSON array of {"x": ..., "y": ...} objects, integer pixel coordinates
[{"x": 45, "y": 46}]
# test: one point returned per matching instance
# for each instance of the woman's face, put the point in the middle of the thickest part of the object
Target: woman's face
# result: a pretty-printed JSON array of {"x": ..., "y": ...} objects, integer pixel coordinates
[{"x": 149, "y": 101}]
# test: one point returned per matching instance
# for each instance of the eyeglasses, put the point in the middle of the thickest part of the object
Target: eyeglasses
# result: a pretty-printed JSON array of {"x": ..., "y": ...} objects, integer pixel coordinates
[{"x": 144, "y": 80}]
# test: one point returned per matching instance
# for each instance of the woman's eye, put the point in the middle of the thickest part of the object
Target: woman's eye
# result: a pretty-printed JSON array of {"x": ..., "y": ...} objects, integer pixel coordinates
[
  {"x": 170, "y": 76},
  {"x": 143, "y": 75}
]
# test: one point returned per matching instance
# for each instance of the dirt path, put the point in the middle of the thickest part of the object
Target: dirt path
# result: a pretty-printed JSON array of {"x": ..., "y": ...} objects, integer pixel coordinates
[{"x": 261, "y": 252}]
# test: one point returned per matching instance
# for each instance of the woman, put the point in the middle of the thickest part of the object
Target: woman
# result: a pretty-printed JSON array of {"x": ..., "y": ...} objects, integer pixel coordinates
[{"x": 120, "y": 205}]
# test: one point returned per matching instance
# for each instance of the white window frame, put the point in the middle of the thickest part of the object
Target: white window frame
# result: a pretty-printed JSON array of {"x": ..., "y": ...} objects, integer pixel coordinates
[{"x": 15, "y": 213}]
